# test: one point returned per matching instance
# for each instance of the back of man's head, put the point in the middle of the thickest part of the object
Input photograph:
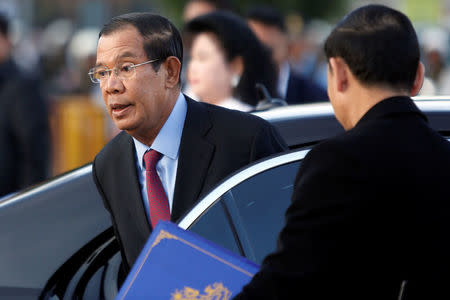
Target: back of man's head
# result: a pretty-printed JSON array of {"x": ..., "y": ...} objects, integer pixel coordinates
[
  {"x": 266, "y": 15},
  {"x": 268, "y": 25},
  {"x": 380, "y": 46}
]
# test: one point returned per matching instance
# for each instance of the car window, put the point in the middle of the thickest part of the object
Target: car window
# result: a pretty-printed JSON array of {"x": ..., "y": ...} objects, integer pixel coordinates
[
  {"x": 257, "y": 207},
  {"x": 214, "y": 225},
  {"x": 247, "y": 218}
]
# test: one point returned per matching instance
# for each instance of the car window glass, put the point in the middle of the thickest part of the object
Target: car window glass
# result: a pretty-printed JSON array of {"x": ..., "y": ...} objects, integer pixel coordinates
[
  {"x": 92, "y": 290},
  {"x": 257, "y": 207},
  {"x": 214, "y": 226}
]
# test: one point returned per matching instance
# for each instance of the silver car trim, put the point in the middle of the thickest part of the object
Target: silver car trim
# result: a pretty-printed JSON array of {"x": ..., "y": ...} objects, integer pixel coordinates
[
  {"x": 302, "y": 110},
  {"x": 430, "y": 98},
  {"x": 52, "y": 183},
  {"x": 425, "y": 104},
  {"x": 220, "y": 190}
]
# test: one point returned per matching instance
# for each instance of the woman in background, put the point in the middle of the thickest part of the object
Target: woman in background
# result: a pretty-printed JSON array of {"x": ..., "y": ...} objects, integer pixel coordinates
[{"x": 227, "y": 61}]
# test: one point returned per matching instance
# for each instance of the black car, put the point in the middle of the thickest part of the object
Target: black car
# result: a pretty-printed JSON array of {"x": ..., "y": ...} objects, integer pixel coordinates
[{"x": 56, "y": 240}]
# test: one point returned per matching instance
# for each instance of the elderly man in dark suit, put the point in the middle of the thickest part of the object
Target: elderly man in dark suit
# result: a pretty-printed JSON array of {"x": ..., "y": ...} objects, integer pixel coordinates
[
  {"x": 370, "y": 211},
  {"x": 172, "y": 149},
  {"x": 24, "y": 129}
]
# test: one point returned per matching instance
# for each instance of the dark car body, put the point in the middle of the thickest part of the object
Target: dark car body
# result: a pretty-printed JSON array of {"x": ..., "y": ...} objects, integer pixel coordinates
[{"x": 56, "y": 240}]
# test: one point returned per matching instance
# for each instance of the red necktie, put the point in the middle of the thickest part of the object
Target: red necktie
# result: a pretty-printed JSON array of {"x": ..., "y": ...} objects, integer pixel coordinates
[{"x": 157, "y": 199}]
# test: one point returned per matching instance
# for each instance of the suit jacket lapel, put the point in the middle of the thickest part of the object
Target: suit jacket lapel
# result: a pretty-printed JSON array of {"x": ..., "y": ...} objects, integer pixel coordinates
[
  {"x": 132, "y": 189},
  {"x": 194, "y": 159}
]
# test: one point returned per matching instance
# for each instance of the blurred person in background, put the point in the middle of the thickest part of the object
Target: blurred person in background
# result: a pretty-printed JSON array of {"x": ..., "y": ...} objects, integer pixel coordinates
[
  {"x": 24, "y": 129},
  {"x": 305, "y": 48},
  {"x": 434, "y": 41},
  {"x": 81, "y": 53},
  {"x": 80, "y": 56},
  {"x": 435, "y": 44},
  {"x": 269, "y": 26},
  {"x": 195, "y": 8},
  {"x": 227, "y": 61},
  {"x": 59, "y": 79}
]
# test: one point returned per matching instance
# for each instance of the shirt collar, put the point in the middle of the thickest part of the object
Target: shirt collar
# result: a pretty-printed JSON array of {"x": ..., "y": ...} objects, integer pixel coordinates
[
  {"x": 283, "y": 79},
  {"x": 167, "y": 142}
]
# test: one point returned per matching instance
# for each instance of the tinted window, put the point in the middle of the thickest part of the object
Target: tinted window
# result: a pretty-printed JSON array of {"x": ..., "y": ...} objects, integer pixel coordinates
[
  {"x": 214, "y": 226},
  {"x": 257, "y": 207}
]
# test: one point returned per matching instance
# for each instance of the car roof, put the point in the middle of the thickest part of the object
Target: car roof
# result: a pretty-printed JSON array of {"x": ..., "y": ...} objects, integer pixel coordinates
[{"x": 306, "y": 124}]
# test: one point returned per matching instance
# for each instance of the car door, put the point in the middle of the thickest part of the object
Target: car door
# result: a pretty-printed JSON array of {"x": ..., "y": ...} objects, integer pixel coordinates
[{"x": 246, "y": 212}]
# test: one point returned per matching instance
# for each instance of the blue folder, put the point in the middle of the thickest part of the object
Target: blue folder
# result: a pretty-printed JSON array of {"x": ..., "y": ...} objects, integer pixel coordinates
[{"x": 178, "y": 264}]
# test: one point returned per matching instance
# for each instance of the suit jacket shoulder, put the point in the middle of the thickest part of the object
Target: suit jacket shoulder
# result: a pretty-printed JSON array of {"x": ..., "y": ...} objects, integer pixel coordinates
[
  {"x": 219, "y": 141},
  {"x": 236, "y": 127},
  {"x": 115, "y": 149}
]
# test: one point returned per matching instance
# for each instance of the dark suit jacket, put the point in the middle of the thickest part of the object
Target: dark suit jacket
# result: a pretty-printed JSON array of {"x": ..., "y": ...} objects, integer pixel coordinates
[
  {"x": 24, "y": 130},
  {"x": 302, "y": 90},
  {"x": 370, "y": 209},
  {"x": 214, "y": 143}
]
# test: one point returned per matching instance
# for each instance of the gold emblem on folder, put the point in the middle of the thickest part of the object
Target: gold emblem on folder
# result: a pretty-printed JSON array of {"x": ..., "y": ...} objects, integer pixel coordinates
[{"x": 215, "y": 292}]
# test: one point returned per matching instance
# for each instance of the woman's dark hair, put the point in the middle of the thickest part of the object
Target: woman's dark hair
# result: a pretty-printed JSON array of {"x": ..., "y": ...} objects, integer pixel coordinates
[
  {"x": 237, "y": 39},
  {"x": 161, "y": 38},
  {"x": 379, "y": 44}
]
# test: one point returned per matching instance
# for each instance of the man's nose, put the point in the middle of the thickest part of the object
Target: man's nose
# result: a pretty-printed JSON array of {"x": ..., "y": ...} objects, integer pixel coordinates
[{"x": 113, "y": 83}]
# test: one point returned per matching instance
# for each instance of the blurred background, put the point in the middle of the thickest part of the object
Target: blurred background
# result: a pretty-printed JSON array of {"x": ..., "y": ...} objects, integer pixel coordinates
[{"x": 55, "y": 40}]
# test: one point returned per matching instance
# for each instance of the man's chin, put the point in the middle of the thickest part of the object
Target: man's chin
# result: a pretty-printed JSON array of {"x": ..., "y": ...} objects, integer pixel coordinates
[{"x": 125, "y": 126}]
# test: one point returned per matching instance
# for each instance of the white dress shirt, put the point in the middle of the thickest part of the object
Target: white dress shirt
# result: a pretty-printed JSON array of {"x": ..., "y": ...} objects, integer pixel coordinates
[
  {"x": 233, "y": 103},
  {"x": 283, "y": 79},
  {"x": 167, "y": 142}
]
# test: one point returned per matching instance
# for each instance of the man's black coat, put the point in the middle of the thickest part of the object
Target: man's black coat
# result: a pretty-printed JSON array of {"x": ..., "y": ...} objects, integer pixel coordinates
[
  {"x": 370, "y": 209},
  {"x": 24, "y": 130},
  {"x": 301, "y": 90}
]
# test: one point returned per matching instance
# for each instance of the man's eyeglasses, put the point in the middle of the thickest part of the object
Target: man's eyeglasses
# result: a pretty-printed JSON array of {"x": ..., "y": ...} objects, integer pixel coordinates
[{"x": 124, "y": 70}]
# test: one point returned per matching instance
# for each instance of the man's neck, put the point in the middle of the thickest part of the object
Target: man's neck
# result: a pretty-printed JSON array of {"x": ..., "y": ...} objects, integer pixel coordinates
[{"x": 368, "y": 98}]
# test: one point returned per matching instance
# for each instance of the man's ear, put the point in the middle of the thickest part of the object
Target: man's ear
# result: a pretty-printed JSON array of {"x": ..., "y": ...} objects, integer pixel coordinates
[
  {"x": 173, "y": 68},
  {"x": 237, "y": 65},
  {"x": 340, "y": 73},
  {"x": 418, "y": 81}
]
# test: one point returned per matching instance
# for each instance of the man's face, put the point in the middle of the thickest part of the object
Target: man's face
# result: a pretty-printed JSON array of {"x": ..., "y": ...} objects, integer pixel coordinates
[
  {"x": 136, "y": 105},
  {"x": 273, "y": 38}
]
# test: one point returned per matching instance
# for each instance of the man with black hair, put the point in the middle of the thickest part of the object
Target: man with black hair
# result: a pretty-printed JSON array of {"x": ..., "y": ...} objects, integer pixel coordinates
[
  {"x": 268, "y": 25},
  {"x": 172, "y": 149},
  {"x": 370, "y": 211},
  {"x": 24, "y": 130}
]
